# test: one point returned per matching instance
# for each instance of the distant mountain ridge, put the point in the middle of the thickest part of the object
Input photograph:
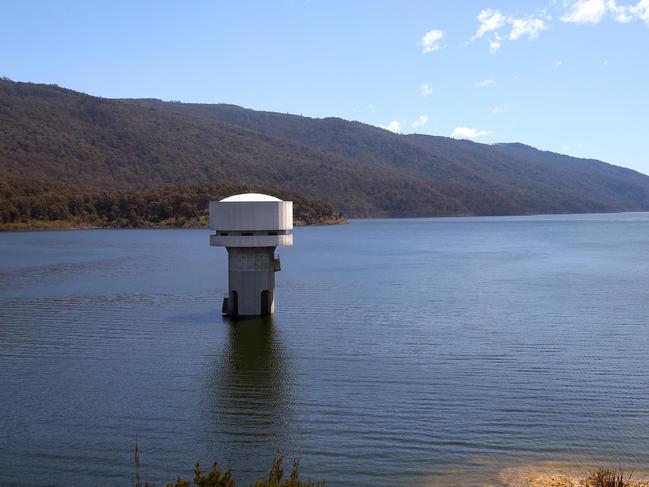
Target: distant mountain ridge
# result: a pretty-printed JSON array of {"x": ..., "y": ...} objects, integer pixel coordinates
[{"x": 49, "y": 133}]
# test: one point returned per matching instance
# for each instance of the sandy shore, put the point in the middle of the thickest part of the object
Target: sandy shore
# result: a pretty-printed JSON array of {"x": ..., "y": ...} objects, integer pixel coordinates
[{"x": 552, "y": 475}]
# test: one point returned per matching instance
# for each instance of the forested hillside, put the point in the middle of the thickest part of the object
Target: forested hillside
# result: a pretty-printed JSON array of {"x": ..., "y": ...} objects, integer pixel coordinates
[
  {"x": 57, "y": 141},
  {"x": 487, "y": 179},
  {"x": 34, "y": 204}
]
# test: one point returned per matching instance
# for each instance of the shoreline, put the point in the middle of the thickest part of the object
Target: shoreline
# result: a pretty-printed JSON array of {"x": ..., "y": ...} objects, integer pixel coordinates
[
  {"x": 549, "y": 474},
  {"x": 13, "y": 228},
  {"x": 491, "y": 472},
  {"x": 58, "y": 225}
]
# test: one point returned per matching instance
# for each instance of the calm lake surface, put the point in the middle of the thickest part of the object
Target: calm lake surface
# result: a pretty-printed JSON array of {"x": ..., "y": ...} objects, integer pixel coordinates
[{"x": 421, "y": 352}]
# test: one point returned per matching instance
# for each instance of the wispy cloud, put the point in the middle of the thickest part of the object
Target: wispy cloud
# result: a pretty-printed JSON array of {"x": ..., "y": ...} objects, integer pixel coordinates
[
  {"x": 594, "y": 11},
  {"x": 585, "y": 12},
  {"x": 529, "y": 26},
  {"x": 469, "y": 133},
  {"x": 431, "y": 41},
  {"x": 621, "y": 14},
  {"x": 641, "y": 11},
  {"x": 484, "y": 82},
  {"x": 422, "y": 120},
  {"x": 558, "y": 63},
  {"x": 498, "y": 28},
  {"x": 425, "y": 90},
  {"x": 504, "y": 107},
  {"x": 393, "y": 126},
  {"x": 495, "y": 43},
  {"x": 492, "y": 21}
]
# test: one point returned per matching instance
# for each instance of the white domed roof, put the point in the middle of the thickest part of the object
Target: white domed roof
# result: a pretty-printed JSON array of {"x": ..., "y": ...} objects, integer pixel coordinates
[{"x": 250, "y": 197}]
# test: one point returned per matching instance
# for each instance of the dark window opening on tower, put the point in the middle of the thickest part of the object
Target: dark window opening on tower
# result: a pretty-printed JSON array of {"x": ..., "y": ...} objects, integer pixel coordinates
[
  {"x": 234, "y": 303},
  {"x": 265, "y": 302}
]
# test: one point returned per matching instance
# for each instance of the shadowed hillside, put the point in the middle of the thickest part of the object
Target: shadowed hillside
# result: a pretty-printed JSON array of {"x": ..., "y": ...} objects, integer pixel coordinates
[
  {"x": 54, "y": 135},
  {"x": 487, "y": 179},
  {"x": 36, "y": 204}
]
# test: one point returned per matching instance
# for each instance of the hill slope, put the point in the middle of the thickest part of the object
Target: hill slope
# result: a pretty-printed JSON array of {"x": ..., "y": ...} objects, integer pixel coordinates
[
  {"x": 505, "y": 178},
  {"x": 52, "y": 134}
]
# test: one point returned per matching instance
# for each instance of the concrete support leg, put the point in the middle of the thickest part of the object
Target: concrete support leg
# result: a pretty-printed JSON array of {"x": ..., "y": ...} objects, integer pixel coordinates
[{"x": 251, "y": 281}]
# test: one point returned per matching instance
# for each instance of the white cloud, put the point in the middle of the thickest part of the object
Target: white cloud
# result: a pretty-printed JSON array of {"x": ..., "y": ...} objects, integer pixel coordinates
[
  {"x": 484, "y": 82},
  {"x": 641, "y": 11},
  {"x": 621, "y": 14},
  {"x": 558, "y": 63},
  {"x": 430, "y": 41},
  {"x": 493, "y": 24},
  {"x": 468, "y": 133},
  {"x": 594, "y": 11},
  {"x": 393, "y": 126},
  {"x": 490, "y": 20},
  {"x": 420, "y": 121},
  {"x": 585, "y": 12},
  {"x": 530, "y": 26},
  {"x": 425, "y": 90},
  {"x": 495, "y": 43},
  {"x": 505, "y": 107}
]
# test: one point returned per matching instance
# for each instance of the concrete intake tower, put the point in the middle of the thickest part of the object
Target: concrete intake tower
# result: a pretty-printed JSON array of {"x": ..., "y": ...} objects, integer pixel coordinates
[{"x": 250, "y": 226}]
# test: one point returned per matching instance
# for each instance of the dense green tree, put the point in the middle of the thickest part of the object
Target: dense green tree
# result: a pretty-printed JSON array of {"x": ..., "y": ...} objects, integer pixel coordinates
[{"x": 36, "y": 204}]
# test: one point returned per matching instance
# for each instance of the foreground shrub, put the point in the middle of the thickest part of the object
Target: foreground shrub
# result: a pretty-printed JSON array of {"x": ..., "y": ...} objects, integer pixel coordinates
[
  {"x": 605, "y": 477},
  {"x": 216, "y": 478}
]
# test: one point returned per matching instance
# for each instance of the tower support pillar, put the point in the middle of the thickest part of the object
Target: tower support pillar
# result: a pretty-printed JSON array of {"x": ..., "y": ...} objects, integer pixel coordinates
[{"x": 251, "y": 281}]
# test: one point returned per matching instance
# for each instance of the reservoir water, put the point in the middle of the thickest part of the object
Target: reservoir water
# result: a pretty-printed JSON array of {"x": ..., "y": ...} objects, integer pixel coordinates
[{"x": 403, "y": 352}]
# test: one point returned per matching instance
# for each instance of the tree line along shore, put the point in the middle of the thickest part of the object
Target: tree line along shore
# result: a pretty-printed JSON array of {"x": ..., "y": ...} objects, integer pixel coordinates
[{"x": 34, "y": 205}]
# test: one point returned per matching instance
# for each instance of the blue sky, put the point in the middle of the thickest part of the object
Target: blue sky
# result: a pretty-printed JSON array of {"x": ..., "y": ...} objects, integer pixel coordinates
[{"x": 571, "y": 76}]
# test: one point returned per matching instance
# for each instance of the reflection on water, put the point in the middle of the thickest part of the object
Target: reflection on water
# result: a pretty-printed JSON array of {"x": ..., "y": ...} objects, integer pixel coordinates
[
  {"x": 249, "y": 392},
  {"x": 404, "y": 352}
]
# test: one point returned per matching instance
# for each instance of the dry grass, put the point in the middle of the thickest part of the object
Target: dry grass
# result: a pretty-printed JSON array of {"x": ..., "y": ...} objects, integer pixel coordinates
[
  {"x": 218, "y": 478},
  {"x": 606, "y": 477}
]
